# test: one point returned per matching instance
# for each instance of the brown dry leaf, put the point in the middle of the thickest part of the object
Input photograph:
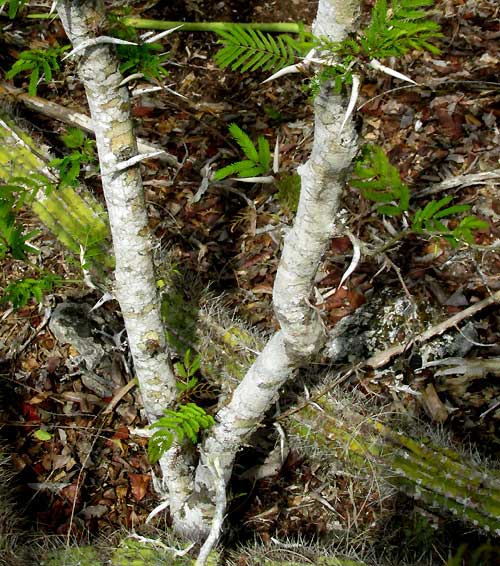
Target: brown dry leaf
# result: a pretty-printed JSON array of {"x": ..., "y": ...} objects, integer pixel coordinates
[
  {"x": 139, "y": 485},
  {"x": 121, "y": 492},
  {"x": 30, "y": 364},
  {"x": 94, "y": 511}
]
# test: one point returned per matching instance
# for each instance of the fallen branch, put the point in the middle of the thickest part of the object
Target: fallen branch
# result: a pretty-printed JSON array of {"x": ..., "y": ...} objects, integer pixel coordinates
[
  {"x": 460, "y": 181},
  {"x": 381, "y": 358},
  {"x": 72, "y": 118}
]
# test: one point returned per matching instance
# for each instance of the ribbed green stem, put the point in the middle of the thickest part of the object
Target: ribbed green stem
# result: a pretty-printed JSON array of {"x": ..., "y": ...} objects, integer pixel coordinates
[
  {"x": 75, "y": 220},
  {"x": 279, "y": 27},
  {"x": 438, "y": 476},
  {"x": 161, "y": 25}
]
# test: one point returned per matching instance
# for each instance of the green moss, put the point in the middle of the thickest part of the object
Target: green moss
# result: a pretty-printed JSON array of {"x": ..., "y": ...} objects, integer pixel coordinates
[{"x": 288, "y": 194}]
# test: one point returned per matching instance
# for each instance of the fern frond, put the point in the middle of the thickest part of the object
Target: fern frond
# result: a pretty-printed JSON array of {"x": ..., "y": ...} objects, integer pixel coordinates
[
  {"x": 188, "y": 420},
  {"x": 396, "y": 29},
  {"x": 251, "y": 50},
  {"x": 244, "y": 141},
  {"x": 264, "y": 153}
]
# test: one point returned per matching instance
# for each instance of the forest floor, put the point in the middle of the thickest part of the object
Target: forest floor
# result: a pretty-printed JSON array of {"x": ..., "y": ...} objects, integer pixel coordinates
[{"x": 93, "y": 476}]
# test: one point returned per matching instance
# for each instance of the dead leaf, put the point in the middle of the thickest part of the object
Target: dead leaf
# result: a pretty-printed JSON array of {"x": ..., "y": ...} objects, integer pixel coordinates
[{"x": 139, "y": 485}]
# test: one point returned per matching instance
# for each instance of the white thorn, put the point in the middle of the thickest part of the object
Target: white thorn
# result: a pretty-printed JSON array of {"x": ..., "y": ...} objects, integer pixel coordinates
[
  {"x": 158, "y": 509},
  {"x": 276, "y": 156},
  {"x": 130, "y": 78},
  {"x": 356, "y": 256},
  {"x": 162, "y": 34},
  {"x": 377, "y": 65},
  {"x": 265, "y": 180},
  {"x": 352, "y": 101},
  {"x": 136, "y": 159},
  {"x": 97, "y": 41}
]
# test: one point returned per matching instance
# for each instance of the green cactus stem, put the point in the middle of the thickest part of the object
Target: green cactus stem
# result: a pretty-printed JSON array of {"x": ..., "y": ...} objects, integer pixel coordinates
[{"x": 439, "y": 477}]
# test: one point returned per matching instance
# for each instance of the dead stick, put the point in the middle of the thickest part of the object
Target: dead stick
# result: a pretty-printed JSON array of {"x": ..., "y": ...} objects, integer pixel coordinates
[
  {"x": 465, "y": 180},
  {"x": 119, "y": 395},
  {"x": 72, "y": 118},
  {"x": 381, "y": 358}
]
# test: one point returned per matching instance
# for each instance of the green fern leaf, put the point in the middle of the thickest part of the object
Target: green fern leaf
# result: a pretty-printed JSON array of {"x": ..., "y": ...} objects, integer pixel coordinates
[
  {"x": 450, "y": 211},
  {"x": 232, "y": 169},
  {"x": 243, "y": 140},
  {"x": 252, "y": 172},
  {"x": 252, "y": 50},
  {"x": 264, "y": 153},
  {"x": 190, "y": 433},
  {"x": 394, "y": 31}
]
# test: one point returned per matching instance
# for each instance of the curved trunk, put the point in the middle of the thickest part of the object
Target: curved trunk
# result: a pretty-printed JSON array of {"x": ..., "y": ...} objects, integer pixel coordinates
[{"x": 302, "y": 332}]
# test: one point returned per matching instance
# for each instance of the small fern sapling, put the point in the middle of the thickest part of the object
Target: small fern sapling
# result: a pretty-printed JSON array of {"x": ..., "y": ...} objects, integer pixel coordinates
[
  {"x": 256, "y": 167},
  {"x": 186, "y": 422},
  {"x": 258, "y": 159},
  {"x": 20, "y": 292},
  {"x": 83, "y": 153},
  {"x": 396, "y": 27},
  {"x": 144, "y": 59},
  {"x": 380, "y": 182},
  {"x": 37, "y": 63},
  {"x": 187, "y": 370}
]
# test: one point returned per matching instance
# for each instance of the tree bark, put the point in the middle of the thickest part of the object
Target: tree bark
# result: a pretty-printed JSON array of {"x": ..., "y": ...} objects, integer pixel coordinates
[
  {"x": 135, "y": 285},
  {"x": 302, "y": 333},
  {"x": 193, "y": 498}
]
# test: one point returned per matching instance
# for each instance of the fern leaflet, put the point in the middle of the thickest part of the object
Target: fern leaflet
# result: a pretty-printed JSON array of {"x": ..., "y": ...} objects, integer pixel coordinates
[
  {"x": 258, "y": 158},
  {"x": 252, "y": 50},
  {"x": 380, "y": 182},
  {"x": 187, "y": 421},
  {"x": 399, "y": 28}
]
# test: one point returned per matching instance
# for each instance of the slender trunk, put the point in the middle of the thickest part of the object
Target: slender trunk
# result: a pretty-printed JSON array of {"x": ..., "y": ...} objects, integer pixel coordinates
[
  {"x": 193, "y": 499},
  {"x": 135, "y": 285},
  {"x": 302, "y": 333}
]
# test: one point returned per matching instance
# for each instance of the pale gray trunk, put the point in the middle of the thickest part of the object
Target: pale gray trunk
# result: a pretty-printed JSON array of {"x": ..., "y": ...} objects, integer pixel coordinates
[
  {"x": 135, "y": 286},
  {"x": 302, "y": 333},
  {"x": 193, "y": 498}
]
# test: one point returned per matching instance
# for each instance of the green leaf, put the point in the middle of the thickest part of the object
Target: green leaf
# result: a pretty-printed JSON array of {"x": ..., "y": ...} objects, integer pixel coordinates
[
  {"x": 18, "y": 67},
  {"x": 244, "y": 142},
  {"x": 46, "y": 70},
  {"x": 249, "y": 49},
  {"x": 20, "y": 292},
  {"x": 264, "y": 153},
  {"x": 74, "y": 138},
  {"x": 389, "y": 210},
  {"x": 399, "y": 28},
  {"x": 452, "y": 210},
  {"x": 181, "y": 370},
  {"x": 188, "y": 420},
  {"x": 256, "y": 171},
  {"x": 232, "y": 169},
  {"x": 42, "y": 435},
  {"x": 190, "y": 433}
]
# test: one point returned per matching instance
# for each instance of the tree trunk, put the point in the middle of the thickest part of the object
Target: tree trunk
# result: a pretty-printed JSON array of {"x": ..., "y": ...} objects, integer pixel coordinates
[
  {"x": 194, "y": 500},
  {"x": 302, "y": 332},
  {"x": 135, "y": 286}
]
